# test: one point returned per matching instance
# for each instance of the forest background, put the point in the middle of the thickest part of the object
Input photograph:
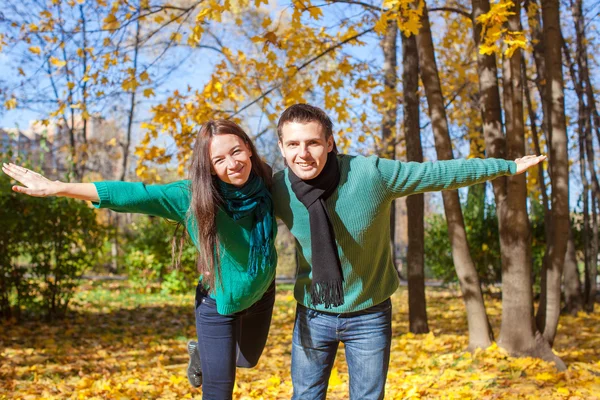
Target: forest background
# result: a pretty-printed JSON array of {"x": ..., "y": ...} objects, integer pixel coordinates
[{"x": 97, "y": 90}]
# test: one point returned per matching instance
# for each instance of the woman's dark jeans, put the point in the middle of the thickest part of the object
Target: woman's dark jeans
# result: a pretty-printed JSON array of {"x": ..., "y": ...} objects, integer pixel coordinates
[{"x": 227, "y": 341}]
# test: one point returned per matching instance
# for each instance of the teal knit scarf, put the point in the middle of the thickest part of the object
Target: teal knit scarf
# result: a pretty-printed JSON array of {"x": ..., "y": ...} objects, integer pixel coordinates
[{"x": 253, "y": 198}]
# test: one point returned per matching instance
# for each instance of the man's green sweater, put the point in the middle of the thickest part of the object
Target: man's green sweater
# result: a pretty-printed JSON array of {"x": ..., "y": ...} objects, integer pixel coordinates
[
  {"x": 360, "y": 214},
  {"x": 236, "y": 290}
]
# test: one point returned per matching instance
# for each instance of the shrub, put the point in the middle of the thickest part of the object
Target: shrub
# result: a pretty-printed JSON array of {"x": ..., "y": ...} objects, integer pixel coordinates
[
  {"x": 45, "y": 245},
  {"x": 148, "y": 258}
]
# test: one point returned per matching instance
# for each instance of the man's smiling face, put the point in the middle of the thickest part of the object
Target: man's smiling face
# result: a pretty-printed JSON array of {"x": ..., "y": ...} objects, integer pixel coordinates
[{"x": 305, "y": 148}]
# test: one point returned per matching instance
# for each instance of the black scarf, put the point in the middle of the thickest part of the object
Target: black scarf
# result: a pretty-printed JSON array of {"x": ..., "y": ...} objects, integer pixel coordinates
[{"x": 326, "y": 287}]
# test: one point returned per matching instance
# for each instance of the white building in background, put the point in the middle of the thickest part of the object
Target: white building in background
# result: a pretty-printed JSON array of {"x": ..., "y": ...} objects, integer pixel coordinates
[{"x": 50, "y": 145}]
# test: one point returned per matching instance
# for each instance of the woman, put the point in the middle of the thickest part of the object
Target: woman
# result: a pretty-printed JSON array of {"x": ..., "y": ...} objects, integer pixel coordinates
[{"x": 228, "y": 212}]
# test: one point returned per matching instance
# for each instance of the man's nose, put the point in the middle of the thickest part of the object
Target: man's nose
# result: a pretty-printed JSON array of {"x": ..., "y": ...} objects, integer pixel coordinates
[{"x": 304, "y": 151}]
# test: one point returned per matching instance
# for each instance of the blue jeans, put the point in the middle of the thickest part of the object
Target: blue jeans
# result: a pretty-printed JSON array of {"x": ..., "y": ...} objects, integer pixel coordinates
[
  {"x": 227, "y": 341},
  {"x": 367, "y": 337}
]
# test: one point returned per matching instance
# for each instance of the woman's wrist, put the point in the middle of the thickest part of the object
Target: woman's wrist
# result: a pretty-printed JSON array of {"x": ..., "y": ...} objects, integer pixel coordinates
[{"x": 60, "y": 189}]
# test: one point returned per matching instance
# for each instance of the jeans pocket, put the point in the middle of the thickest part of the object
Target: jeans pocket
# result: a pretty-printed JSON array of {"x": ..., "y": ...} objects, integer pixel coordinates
[{"x": 311, "y": 314}]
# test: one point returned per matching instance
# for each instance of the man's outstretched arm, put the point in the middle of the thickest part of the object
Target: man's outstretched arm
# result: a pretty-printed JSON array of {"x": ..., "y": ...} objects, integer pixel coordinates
[{"x": 406, "y": 178}]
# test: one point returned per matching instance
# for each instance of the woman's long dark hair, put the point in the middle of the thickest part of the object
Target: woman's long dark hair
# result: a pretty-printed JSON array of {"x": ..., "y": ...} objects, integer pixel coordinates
[{"x": 205, "y": 197}]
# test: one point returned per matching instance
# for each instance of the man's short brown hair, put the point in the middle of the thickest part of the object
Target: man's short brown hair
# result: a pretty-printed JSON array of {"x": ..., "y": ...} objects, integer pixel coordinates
[{"x": 304, "y": 114}]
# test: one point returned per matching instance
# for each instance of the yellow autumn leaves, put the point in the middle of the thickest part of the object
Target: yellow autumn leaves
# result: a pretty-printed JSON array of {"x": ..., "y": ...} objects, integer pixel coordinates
[
  {"x": 122, "y": 345},
  {"x": 495, "y": 34}
]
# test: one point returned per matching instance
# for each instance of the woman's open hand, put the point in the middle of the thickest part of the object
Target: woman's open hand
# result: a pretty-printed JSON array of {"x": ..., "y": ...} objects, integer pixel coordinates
[{"x": 33, "y": 183}]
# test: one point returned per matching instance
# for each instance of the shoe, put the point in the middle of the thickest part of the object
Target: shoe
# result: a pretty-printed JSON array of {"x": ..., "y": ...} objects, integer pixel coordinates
[{"x": 194, "y": 369}]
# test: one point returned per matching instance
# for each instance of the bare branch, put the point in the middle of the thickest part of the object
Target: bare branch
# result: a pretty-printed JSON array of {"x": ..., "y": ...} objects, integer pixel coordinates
[{"x": 463, "y": 12}]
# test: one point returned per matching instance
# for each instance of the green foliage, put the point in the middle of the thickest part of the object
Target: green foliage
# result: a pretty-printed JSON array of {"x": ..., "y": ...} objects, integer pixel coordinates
[
  {"x": 481, "y": 225},
  {"x": 45, "y": 246},
  {"x": 148, "y": 257}
]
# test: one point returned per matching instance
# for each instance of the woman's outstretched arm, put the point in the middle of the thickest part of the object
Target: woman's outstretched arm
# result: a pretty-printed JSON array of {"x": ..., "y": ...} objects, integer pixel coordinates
[{"x": 37, "y": 185}]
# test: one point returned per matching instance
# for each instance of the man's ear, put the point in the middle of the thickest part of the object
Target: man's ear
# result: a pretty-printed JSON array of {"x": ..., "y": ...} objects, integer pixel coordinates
[
  {"x": 280, "y": 145},
  {"x": 330, "y": 143}
]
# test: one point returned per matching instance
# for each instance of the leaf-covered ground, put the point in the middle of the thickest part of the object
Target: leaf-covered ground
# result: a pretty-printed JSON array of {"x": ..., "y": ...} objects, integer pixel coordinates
[{"x": 122, "y": 345}]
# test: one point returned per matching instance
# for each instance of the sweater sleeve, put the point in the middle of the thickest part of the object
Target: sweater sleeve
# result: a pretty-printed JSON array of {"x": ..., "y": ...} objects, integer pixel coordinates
[
  {"x": 406, "y": 178},
  {"x": 168, "y": 201}
]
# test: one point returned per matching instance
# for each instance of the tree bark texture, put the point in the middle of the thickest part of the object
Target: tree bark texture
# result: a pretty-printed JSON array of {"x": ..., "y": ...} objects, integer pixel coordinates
[
  {"x": 591, "y": 117},
  {"x": 549, "y": 307},
  {"x": 479, "y": 329},
  {"x": 390, "y": 112},
  {"x": 417, "y": 311},
  {"x": 517, "y": 332},
  {"x": 571, "y": 280}
]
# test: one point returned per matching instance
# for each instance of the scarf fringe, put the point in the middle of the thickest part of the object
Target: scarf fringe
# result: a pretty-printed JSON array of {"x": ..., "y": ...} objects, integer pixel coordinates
[
  {"x": 330, "y": 294},
  {"x": 260, "y": 257}
]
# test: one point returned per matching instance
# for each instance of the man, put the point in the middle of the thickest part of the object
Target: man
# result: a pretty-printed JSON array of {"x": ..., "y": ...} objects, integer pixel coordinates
[{"x": 338, "y": 208}]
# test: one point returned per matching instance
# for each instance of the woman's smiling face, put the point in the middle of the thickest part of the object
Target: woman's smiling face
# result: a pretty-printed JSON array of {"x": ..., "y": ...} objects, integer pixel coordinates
[{"x": 230, "y": 159}]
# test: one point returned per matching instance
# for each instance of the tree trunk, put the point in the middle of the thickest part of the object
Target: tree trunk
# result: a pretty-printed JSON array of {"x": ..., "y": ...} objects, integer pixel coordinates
[
  {"x": 549, "y": 308},
  {"x": 571, "y": 280},
  {"x": 590, "y": 115},
  {"x": 132, "y": 105},
  {"x": 495, "y": 141},
  {"x": 390, "y": 111},
  {"x": 480, "y": 334},
  {"x": 536, "y": 144},
  {"x": 84, "y": 92},
  {"x": 590, "y": 273},
  {"x": 540, "y": 63},
  {"x": 518, "y": 333},
  {"x": 535, "y": 22},
  {"x": 417, "y": 311}
]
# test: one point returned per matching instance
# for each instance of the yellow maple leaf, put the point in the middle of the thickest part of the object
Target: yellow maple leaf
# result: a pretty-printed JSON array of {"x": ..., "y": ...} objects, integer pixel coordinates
[
  {"x": 315, "y": 12},
  {"x": 56, "y": 62},
  {"x": 334, "y": 378},
  {"x": 111, "y": 22},
  {"x": 10, "y": 103},
  {"x": 544, "y": 376}
]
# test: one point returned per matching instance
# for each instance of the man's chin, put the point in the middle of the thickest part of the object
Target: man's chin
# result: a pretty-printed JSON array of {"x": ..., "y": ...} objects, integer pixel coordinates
[{"x": 306, "y": 175}]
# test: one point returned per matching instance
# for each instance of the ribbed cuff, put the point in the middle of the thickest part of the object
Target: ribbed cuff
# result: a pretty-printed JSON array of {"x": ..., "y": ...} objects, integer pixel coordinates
[
  {"x": 103, "y": 195},
  {"x": 512, "y": 167}
]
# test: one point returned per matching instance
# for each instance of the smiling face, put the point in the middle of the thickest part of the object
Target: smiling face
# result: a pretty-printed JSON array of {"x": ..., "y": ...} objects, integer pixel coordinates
[
  {"x": 230, "y": 159},
  {"x": 305, "y": 148}
]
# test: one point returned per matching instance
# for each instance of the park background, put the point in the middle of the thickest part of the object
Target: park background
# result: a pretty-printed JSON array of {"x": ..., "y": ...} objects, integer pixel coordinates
[{"x": 91, "y": 305}]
